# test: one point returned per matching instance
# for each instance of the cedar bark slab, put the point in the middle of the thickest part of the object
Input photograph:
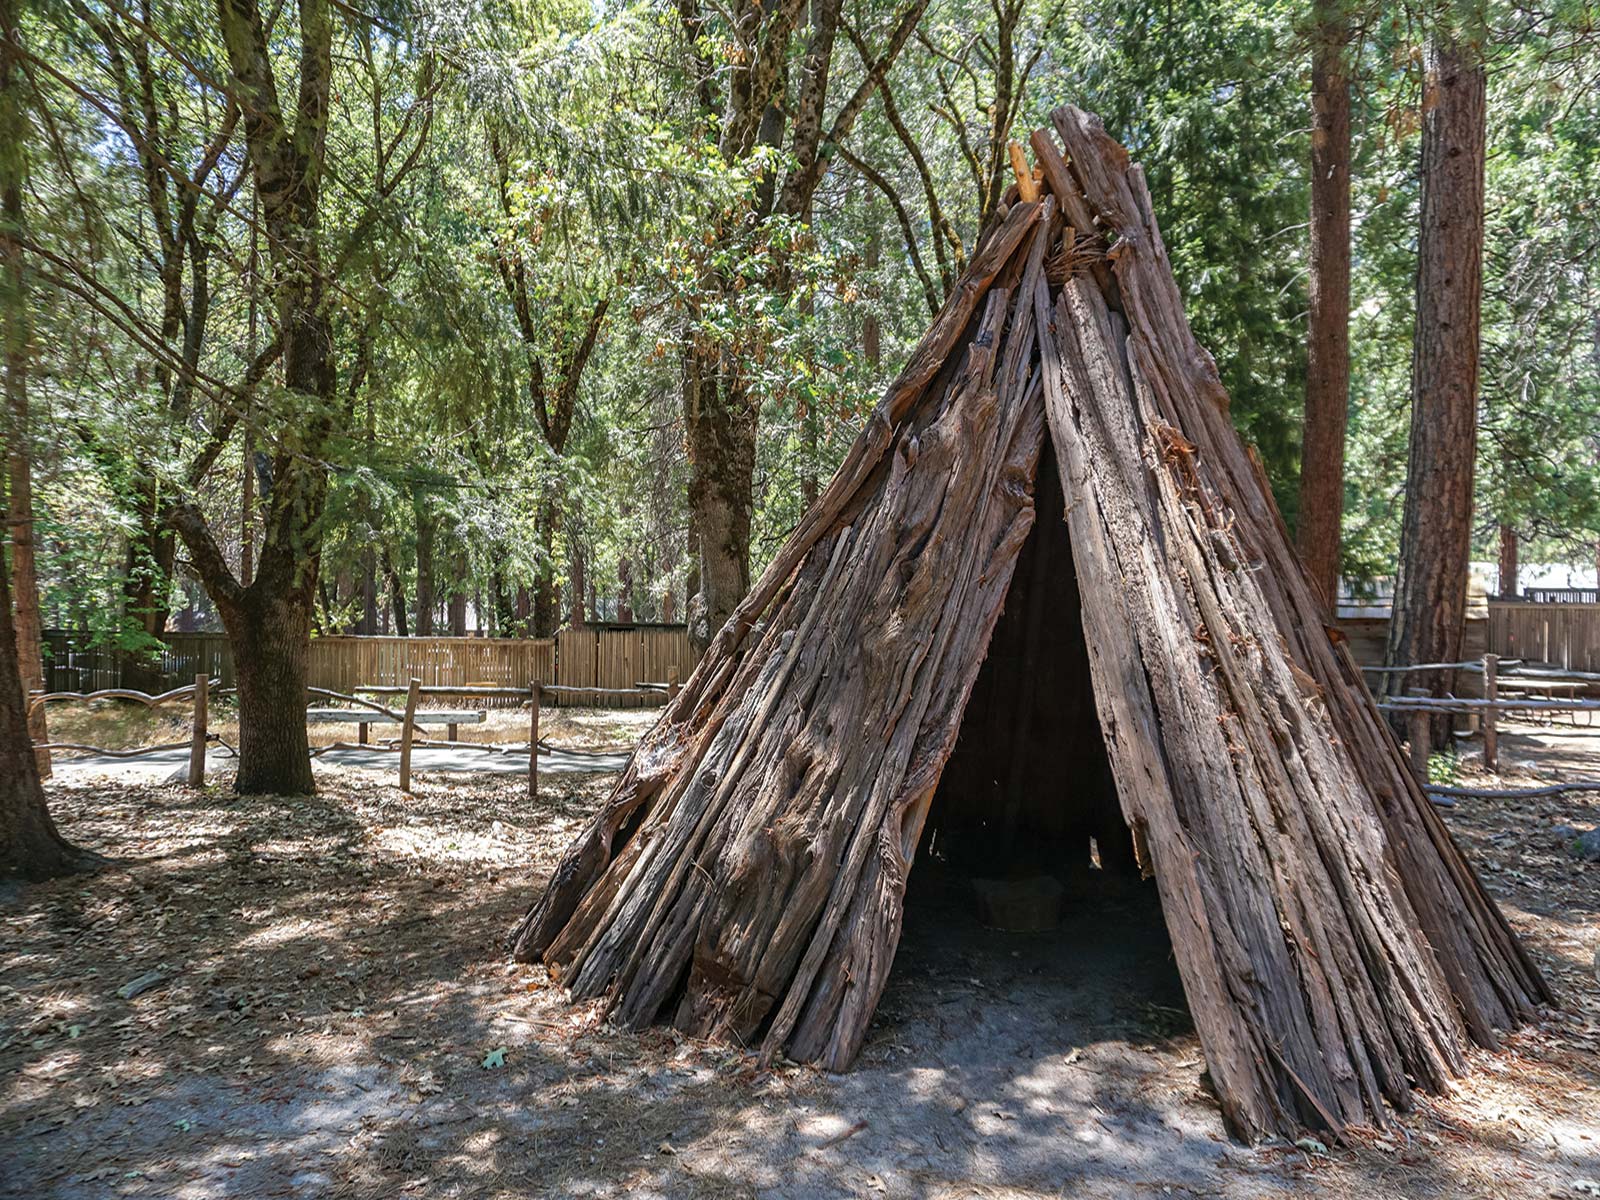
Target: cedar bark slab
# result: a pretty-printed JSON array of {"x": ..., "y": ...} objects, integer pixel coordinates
[{"x": 746, "y": 878}]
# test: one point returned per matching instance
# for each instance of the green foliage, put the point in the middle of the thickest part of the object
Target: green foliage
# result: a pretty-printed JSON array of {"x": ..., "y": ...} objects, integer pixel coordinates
[
  {"x": 1540, "y": 431},
  {"x": 1444, "y": 768},
  {"x": 615, "y": 189},
  {"x": 1213, "y": 101}
]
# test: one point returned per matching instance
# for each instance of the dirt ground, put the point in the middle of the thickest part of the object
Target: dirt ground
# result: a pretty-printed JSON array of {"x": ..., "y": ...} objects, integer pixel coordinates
[{"x": 333, "y": 1014}]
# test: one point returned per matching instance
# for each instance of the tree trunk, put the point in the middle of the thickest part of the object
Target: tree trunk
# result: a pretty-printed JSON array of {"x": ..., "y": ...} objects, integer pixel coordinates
[
  {"x": 546, "y": 595},
  {"x": 425, "y": 600},
  {"x": 28, "y": 643},
  {"x": 147, "y": 581},
  {"x": 397, "y": 593},
  {"x": 24, "y": 572},
  {"x": 579, "y": 570},
  {"x": 458, "y": 611},
  {"x": 721, "y": 422},
  {"x": 1430, "y": 601},
  {"x": 247, "y": 497},
  {"x": 691, "y": 574},
  {"x": 30, "y": 845},
  {"x": 1507, "y": 585},
  {"x": 247, "y": 454},
  {"x": 1328, "y": 345},
  {"x": 625, "y": 590},
  {"x": 29, "y": 842},
  {"x": 270, "y": 639},
  {"x": 369, "y": 592}
]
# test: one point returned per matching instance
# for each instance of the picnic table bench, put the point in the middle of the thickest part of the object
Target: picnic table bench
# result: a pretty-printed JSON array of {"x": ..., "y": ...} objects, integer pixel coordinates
[
  {"x": 449, "y": 717},
  {"x": 1545, "y": 687}
]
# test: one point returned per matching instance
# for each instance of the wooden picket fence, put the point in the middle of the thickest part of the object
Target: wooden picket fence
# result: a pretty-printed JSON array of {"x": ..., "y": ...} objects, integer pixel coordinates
[
  {"x": 1565, "y": 634},
  {"x": 344, "y": 664},
  {"x": 594, "y": 657},
  {"x": 73, "y": 664},
  {"x": 621, "y": 658}
]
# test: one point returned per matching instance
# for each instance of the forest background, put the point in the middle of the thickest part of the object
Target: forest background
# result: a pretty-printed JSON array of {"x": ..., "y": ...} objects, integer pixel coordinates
[{"x": 508, "y": 315}]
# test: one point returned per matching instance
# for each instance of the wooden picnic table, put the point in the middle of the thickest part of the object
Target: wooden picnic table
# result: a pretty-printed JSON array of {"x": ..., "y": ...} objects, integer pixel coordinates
[
  {"x": 1550, "y": 689},
  {"x": 449, "y": 717}
]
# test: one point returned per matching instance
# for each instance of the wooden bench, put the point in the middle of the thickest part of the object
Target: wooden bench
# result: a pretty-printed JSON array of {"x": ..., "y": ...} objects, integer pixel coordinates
[{"x": 452, "y": 719}]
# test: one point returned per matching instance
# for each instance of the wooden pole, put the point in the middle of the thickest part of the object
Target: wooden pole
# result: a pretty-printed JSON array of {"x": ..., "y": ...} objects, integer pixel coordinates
[
  {"x": 407, "y": 729},
  {"x": 197, "y": 741},
  {"x": 534, "y": 691},
  {"x": 672, "y": 683},
  {"x": 1491, "y": 693},
  {"x": 1027, "y": 186},
  {"x": 1421, "y": 740}
]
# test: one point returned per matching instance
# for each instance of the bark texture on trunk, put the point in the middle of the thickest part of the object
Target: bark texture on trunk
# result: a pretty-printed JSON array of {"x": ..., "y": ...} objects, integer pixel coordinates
[
  {"x": 15, "y": 334},
  {"x": 426, "y": 524},
  {"x": 578, "y": 569},
  {"x": 30, "y": 844},
  {"x": 1509, "y": 570},
  {"x": 546, "y": 588},
  {"x": 24, "y": 570},
  {"x": 1328, "y": 343},
  {"x": 746, "y": 878},
  {"x": 457, "y": 613},
  {"x": 271, "y": 643},
  {"x": 721, "y": 419},
  {"x": 368, "y": 622},
  {"x": 1430, "y": 603},
  {"x": 269, "y": 620}
]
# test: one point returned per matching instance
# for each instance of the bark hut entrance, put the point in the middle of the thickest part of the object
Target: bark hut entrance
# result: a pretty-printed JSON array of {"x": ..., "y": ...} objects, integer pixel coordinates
[
  {"x": 1028, "y": 794},
  {"x": 1025, "y": 879}
]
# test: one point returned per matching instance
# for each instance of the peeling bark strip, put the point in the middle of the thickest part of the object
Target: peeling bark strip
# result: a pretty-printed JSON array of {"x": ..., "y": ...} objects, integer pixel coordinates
[{"x": 746, "y": 878}]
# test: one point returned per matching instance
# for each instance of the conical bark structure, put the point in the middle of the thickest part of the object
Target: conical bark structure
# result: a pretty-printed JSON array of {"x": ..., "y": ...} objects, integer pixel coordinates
[{"x": 746, "y": 878}]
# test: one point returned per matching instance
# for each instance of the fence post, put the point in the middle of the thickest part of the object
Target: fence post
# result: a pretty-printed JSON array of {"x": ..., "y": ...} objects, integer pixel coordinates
[
  {"x": 405, "y": 735},
  {"x": 1491, "y": 692},
  {"x": 672, "y": 683},
  {"x": 534, "y": 694},
  {"x": 197, "y": 740},
  {"x": 1421, "y": 727}
]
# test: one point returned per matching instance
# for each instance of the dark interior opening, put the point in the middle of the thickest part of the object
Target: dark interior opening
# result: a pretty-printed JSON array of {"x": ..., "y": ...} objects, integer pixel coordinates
[
  {"x": 1028, "y": 790},
  {"x": 1026, "y": 877}
]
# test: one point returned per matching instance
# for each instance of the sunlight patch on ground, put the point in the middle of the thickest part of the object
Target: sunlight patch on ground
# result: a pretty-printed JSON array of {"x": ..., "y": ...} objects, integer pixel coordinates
[
  {"x": 335, "y": 979},
  {"x": 436, "y": 844}
]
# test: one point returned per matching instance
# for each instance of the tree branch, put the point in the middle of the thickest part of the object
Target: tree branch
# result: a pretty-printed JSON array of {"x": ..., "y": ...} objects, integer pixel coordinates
[{"x": 929, "y": 292}]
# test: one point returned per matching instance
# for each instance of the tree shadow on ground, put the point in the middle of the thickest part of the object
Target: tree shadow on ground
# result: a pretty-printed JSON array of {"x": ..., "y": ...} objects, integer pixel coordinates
[{"x": 335, "y": 1016}]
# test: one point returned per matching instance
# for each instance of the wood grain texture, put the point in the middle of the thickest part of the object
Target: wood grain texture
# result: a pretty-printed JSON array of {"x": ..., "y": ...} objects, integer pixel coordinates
[{"x": 746, "y": 880}]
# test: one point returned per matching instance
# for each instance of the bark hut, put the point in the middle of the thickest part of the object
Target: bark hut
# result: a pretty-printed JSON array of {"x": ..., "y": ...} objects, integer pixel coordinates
[{"x": 746, "y": 878}]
